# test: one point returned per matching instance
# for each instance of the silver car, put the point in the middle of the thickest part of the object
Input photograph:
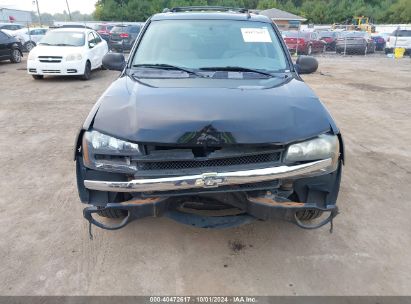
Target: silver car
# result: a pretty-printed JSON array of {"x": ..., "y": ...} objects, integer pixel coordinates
[{"x": 355, "y": 43}]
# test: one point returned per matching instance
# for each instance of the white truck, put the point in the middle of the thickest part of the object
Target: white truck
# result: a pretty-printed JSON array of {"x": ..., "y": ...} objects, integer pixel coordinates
[{"x": 399, "y": 39}]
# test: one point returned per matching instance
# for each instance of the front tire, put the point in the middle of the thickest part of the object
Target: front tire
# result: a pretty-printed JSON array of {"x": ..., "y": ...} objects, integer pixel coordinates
[
  {"x": 15, "y": 56},
  {"x": 87, "y": 71},
  {"x": 112, "y": 213},
  {"x": 37, "y": 77},
  {"x": 29, "y": 45},
  {"x": 309, "y": 214}
]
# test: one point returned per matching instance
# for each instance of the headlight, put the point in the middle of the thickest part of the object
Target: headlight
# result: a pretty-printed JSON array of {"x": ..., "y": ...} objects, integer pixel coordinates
[
  {"x": 103, "y": 152},
  {"x": 73, "y": 57},
  {"x": 322, "y": 147},
  {"x": 32, "y": 56}
]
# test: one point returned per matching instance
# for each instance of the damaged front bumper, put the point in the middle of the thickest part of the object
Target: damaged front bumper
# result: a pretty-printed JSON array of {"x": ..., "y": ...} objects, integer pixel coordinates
[
  {"x": 315, "y": 183},
  {"x": 263, "y": 208}
]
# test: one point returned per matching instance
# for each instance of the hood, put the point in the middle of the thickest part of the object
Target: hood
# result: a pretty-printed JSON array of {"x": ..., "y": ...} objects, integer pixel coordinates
[
  {"x": 210, "y": 116},
  {"x": 49, "y": 50}
]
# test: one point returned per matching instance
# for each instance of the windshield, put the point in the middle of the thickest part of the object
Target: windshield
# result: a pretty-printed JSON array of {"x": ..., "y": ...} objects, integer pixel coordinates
[
  {"x": 61, "y": 38},
  {"x": 402, "y": 33},
  {"x": 118, "y": 29},
  {"x": 197, "y": 44},
  {"x": 295, "y": 34},
  {"x": 353, "y": 34},
  {"x": 327, "y": 34}
]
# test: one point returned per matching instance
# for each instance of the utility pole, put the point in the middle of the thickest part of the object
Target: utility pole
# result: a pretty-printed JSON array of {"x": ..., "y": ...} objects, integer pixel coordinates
[
  {"x": 38, "y": 10},
  {"x": 68, "y": 8}
]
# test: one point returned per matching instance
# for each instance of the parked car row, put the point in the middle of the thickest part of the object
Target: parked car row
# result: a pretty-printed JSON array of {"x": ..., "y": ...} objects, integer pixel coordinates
[
  {"x": 351, "y": 42},
  {"x": 120, "y": 37}
]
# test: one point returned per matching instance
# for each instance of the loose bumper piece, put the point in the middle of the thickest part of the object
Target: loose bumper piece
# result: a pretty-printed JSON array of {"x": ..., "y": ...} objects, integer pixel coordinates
[{"x": 264, "y": 208}]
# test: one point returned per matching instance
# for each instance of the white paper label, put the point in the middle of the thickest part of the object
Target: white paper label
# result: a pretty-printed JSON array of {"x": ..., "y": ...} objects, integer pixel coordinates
[{"x": 256, "y": 35}]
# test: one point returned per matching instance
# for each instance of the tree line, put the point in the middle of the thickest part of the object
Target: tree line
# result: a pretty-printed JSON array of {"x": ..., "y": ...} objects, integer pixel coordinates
[
  {"x": 315, "y": 11},
  {"x": 48, "y": 19}
]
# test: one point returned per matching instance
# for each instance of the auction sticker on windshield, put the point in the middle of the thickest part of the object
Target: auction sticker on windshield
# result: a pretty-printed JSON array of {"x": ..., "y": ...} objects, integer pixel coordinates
[{"x": 256, "y": 35}]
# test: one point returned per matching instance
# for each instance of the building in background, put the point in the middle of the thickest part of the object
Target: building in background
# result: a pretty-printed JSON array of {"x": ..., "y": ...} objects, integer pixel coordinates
[
  {"x": 14, "y": 16},
  {"x": 284, "y": 20}
]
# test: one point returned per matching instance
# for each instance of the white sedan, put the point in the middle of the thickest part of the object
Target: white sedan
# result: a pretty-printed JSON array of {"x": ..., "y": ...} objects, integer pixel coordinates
[
  {"x": 29, "y": 37},
  {"x": 67, "y": 51}
]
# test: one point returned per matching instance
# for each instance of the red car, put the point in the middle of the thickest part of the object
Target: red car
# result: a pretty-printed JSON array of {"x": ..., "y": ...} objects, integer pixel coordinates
[
  {"x": 104, "y": 30},
  {"x": 303, "y": 42}
]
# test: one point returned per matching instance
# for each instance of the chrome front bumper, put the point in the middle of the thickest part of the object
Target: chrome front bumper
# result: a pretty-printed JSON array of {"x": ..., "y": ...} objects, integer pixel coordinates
[{"x": 214, "y": 179}]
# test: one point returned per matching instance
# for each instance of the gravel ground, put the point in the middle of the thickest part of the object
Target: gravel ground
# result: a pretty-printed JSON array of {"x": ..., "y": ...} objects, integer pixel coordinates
[{"x": 44, "y": 242}]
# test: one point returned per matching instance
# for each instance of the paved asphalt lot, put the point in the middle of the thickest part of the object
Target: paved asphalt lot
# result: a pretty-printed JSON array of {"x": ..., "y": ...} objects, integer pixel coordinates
[{"x": 44, "y": 243}]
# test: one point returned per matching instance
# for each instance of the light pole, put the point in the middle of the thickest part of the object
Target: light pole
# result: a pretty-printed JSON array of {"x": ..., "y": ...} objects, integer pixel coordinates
[
  {"x": 38, "y": 10},
  {"x": 68, "y": 8}
]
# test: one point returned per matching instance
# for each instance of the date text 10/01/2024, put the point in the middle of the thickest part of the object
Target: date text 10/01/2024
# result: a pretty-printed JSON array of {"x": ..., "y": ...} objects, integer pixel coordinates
[{"x": 203, "y": 299}]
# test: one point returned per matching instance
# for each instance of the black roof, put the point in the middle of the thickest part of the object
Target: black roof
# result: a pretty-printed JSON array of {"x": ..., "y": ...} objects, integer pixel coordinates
[{"x": 200, "y": 15}]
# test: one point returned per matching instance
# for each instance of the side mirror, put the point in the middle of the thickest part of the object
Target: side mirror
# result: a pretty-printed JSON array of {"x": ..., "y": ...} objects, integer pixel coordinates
[
  {"x": 91, "y": 45},
  {"x": 306, "y": 65},
  {"x": 114, "y": 61}
]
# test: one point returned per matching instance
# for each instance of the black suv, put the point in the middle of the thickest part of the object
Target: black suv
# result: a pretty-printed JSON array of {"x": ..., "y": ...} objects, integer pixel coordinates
[
  {"x": 122, "y": 37},
  {"x": 209, "y": 124}
]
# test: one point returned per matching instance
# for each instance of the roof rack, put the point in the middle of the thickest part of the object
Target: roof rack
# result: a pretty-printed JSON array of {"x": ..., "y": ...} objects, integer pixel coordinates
[{"x": 205, "y": 8}]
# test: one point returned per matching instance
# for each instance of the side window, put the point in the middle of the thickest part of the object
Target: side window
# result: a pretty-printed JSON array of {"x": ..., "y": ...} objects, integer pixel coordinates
[
  {"x": 135, "y": 29},
  {"x": 91, "y": 38},
  {"x": 98, "y": 39}
]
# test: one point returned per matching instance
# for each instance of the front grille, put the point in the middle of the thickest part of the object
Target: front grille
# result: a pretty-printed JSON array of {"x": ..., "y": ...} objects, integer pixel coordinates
[
  {"x": 51, "y": 71},
  {"x": 268, "y": 158},
  {"x": 50, "y": 59}
]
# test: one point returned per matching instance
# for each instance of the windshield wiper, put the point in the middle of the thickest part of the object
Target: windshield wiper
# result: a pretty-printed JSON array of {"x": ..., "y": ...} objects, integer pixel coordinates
[
  {"x": 236, "y": 69},
  {"x": 44, "y": 43},
  {"x": 164, "y": 66}
]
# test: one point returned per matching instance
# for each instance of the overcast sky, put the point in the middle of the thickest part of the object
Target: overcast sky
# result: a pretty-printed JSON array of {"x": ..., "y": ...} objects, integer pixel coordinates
[{"x": 50, "y": 6}]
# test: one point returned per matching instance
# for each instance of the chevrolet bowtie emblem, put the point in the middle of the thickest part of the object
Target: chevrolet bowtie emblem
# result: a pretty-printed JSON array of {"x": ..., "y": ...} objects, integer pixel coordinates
[{"x": 209, "y": 180}]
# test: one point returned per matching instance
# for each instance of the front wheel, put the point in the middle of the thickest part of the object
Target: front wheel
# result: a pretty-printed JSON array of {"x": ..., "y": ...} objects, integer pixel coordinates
[
  {"x": 29, "y": 45},
  {"x": 37, "y": 77},
  {"x": 87, "y": 71},
  {"x": 15, "y": 56}
]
